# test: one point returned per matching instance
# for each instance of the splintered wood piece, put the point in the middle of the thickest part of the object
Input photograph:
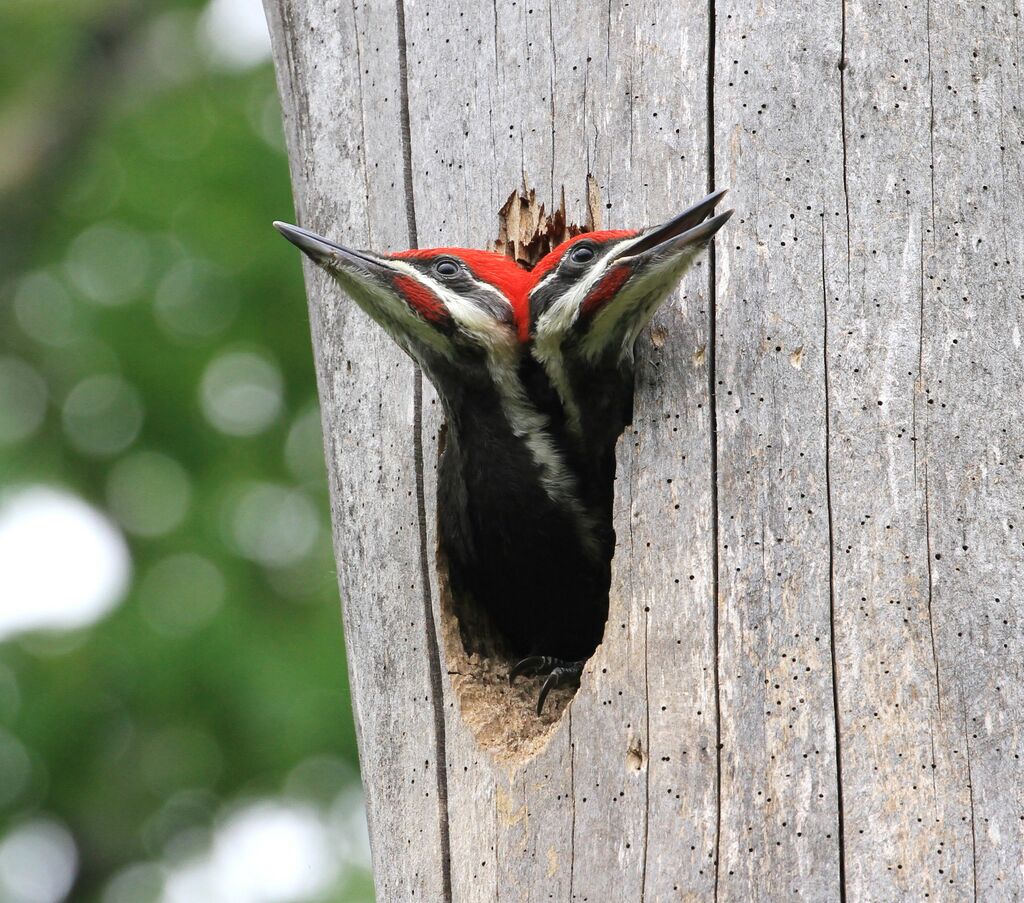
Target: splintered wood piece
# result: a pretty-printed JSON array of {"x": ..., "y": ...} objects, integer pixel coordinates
[{"x": 527, "y": 232}]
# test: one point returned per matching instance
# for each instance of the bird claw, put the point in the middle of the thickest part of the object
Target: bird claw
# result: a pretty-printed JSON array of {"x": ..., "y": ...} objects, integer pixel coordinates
[
  {"x": 533, "y": 665},
  {"x": 559, "y": 674}
]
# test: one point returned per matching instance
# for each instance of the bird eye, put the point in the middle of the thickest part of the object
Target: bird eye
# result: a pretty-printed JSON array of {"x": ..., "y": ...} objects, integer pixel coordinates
[
  {"x": 446, "y": 267},
  {"x": 582, "y": 254}
]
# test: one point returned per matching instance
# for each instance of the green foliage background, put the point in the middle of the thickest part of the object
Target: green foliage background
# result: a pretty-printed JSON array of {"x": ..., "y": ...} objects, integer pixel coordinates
[{"x": 111, "y": 115}]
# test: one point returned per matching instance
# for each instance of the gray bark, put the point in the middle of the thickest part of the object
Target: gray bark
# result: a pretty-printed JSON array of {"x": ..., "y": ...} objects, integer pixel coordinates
[{"x": 811, "y": 682}]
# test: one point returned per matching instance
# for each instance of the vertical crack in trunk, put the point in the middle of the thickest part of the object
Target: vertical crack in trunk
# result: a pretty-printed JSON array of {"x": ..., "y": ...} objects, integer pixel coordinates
[
  {"x": 931, "y": 108},
  {"x": 919, "y": 387},
  {"x": 931, "y": 622},
  {"x": 713, "y": 424},
  {"x": 842, "y": 119},
  {"x": 970, "y": 793},
  {"x": 362, "y": 126},
  {"x": 552, "y": 87},
  {"x": 918, "y": 384},
  {"x": 430, "y": 627},
  {"x": 837, "y": 721}
]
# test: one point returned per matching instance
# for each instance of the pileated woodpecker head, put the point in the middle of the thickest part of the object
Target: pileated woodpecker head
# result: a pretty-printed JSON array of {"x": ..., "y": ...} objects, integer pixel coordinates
[
  {"x": 591, "y": 298},
  {"x": 598, "y": 290},
  {"x": 452, "y": 310}
]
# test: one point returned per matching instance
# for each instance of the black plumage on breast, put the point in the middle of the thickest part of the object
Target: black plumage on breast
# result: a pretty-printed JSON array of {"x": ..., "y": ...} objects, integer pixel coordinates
[{"x": 518, "y": 555}]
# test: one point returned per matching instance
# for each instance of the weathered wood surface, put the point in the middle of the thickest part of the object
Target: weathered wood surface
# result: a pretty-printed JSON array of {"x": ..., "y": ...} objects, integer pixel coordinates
[{"x": 811, "y": 683}]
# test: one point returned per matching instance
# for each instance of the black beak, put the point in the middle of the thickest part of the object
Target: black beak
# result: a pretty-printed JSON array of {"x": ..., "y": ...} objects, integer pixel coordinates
[
  {"x": 328, "y": 253},
  {"x": 689, "y": 229}
]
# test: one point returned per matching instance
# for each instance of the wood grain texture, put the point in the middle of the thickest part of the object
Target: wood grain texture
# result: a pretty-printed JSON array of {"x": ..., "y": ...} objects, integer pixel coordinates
[
  {"x": 779, "y": 143},
  {"x": 904, "y": 769},
  {"x": 337, "y": 73},
  {"x": 811, "y": 683}
]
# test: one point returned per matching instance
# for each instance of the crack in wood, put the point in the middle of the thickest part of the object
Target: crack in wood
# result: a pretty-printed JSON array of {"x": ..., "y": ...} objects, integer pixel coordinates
[
  {"x": 430, "y": 627},
  {"x": 362, "y": 125},
  {"x": 931, "y": 106},
  {"x": 918, "y": 442},
  {"x": 842, "y": 122},
  {"x": 710, "y": 350},
  {"x": 931, "y": 588},
  {"x": 970, "y": 794},
  {"x": 837, "y": 720}
]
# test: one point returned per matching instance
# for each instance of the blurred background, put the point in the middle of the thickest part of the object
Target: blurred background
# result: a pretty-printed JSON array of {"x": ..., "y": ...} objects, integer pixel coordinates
[{"x": 174, "y": 715}]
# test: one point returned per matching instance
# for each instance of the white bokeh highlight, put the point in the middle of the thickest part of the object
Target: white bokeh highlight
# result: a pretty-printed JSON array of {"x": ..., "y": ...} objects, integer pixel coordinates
[
  {"x": 268, "y": 852},
  {"x": 272, "y": 524},
  {"x": 63, "y": 565},
  {"x": 196, "y": 299},
  {"x": 138, "y": 883},
  {"x": 15, "y": 768},
  {"x": 304, "y": 447},
  {"x": 108, "y": 263},
  {"x": 38, "y": 862},
  {"x": 44, "y": 309},
  {"x": 234, "y": 33},
  {"x": 23, "y": 398},
  {"x": 102, "y": 415},
  {"x": 181, "y": 593}
]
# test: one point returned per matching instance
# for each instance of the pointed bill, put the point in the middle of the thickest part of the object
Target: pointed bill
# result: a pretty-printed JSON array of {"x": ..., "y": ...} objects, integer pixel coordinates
[
  {"x": 692, "y": 238},
  {"x": 690, "y": 228},
  {"x": 326, "y": 252}
]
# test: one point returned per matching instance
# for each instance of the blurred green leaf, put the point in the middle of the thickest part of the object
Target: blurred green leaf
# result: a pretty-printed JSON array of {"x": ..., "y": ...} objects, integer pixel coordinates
[{"x": 145, "y": 178}]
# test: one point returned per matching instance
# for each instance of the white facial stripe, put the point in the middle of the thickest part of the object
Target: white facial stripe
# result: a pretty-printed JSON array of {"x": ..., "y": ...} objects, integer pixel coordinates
[
  {"x": 563, "y": 313},
  {"x": 550, "y": 275},
  {"x": 619, "y": 247},
  {"x": 500, "y": 295},
  {"x": 469, "y": 316},
  {"x": 557, "y": 320},
  {"x": 555, "y": 324},
  {"x": 547, "y": 350}
]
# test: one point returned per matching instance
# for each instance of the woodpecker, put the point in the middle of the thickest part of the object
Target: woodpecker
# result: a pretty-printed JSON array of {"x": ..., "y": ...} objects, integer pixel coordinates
[
  {"x": 590, "y": 299},
  {"x": 518, "y": 534},
  {"x": 535, "y": 373}
]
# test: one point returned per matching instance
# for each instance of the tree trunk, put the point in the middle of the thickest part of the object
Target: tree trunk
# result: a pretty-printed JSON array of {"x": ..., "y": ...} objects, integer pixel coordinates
[{"x": 811, "y": 684}]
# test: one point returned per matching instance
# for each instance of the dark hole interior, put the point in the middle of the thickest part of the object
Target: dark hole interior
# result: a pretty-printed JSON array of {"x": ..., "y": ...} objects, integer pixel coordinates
[{"x": 561, "y": 613}]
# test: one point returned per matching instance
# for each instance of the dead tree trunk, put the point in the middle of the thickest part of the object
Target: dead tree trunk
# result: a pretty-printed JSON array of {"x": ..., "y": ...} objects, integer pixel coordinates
[{"x": 811, "y": 680}]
